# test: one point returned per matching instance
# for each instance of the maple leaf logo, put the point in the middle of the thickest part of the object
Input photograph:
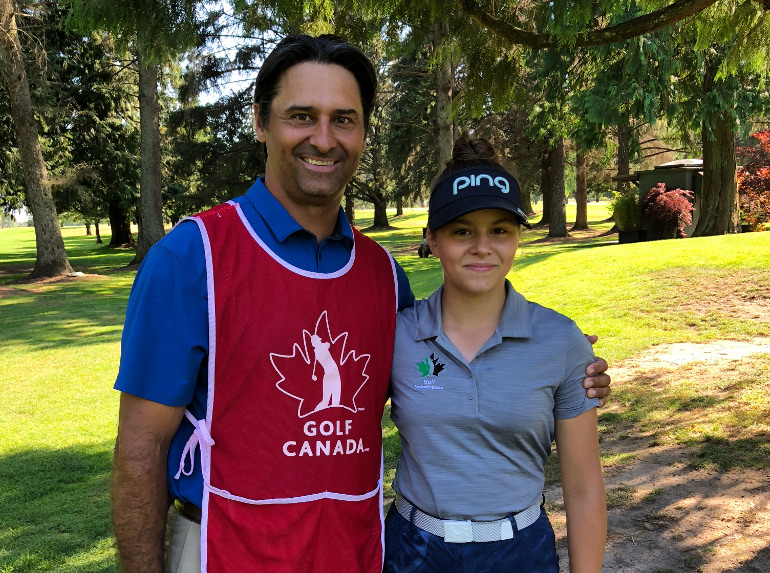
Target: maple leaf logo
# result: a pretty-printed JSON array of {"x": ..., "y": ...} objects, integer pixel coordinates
[
  {"x": 431, "y": 366},
  {"x": 320, "y": 372}
]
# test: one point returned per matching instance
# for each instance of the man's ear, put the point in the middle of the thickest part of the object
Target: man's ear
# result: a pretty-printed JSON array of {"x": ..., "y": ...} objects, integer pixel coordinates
[{"x": 259, "y": 127}]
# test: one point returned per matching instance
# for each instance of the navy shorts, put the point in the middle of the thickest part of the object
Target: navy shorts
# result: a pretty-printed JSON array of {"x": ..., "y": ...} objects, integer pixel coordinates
[{"x": 409, "y": 549}]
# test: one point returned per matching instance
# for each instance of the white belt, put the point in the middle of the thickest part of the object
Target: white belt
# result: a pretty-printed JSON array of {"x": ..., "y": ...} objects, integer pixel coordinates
[{"x": 466, "y": 531}]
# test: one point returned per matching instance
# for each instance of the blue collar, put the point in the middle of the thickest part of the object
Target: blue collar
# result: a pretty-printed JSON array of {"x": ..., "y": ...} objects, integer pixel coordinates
[
  {"x": 281, "y": 223},
  {"x": 514, "y": 323}
]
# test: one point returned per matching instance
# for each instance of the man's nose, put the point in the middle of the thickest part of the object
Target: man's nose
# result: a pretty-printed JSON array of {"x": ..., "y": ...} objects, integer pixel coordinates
[{"x": 322, "y": 137}]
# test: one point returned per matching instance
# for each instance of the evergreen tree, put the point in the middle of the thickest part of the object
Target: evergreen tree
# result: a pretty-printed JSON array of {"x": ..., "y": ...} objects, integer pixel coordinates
[
  {"x": 155, "y": 30},
  {"x": 51, "y": 258}
]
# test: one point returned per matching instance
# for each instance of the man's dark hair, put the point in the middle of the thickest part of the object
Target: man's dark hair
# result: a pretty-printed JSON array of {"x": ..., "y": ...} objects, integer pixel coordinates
[{"x": 324, "y": 49}]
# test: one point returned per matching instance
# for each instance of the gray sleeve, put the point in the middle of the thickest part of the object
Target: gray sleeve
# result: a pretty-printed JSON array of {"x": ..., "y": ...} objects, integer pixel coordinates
[{"x": 571, "y": 399}]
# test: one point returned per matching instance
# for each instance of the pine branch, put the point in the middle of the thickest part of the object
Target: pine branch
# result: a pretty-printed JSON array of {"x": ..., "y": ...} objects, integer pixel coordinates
[{"x": 639, "y": 26}]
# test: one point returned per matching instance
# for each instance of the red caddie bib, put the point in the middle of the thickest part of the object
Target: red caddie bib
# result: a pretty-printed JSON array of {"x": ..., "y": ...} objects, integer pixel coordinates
[{"x": 299, "y": 365}]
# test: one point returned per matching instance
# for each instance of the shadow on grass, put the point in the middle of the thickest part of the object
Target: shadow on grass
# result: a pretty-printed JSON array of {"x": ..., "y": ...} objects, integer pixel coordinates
[
  {"x": 727, "y": 454},
  {"x": 56, "y": 510},
  {"x": 68, "y": 314},
  {"x": 758, "y": 563}
]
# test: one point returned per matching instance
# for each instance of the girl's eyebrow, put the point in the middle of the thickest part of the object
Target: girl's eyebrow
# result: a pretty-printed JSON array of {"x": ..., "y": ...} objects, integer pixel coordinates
[{"x": 497, "y": 222}]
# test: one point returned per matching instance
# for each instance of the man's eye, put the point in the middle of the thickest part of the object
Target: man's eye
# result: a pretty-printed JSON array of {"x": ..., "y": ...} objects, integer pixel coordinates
[
  {"x": 344, "y": 120},
  {"x": 301, "y": 116},
  {"x": 499, "y": 231},
  {"x": 462, "y": 232}
]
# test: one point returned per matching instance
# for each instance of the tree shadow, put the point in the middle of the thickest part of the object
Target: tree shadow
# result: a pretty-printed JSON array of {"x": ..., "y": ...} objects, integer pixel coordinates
[
  {"x": 758, "y": 564},
  {"x": 725, "y": 454},
  {"x": 674, "y": 517},
  {"x": 65, "y": 314},
  {"x": 56, "y": 509}
]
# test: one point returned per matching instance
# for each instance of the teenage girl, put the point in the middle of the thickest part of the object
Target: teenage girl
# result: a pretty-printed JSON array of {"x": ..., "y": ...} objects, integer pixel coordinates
[{"x": 482, "y": 382}]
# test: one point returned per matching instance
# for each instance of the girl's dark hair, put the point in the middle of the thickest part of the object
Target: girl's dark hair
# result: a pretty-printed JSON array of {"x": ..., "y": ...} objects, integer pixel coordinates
[
  {"x": 467, "y": 152},
  {"x": 324, "y": 49}
]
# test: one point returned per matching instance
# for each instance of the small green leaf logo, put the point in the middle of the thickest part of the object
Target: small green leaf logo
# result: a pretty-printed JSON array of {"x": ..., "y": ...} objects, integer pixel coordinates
[{"x": 431, "y": 366}]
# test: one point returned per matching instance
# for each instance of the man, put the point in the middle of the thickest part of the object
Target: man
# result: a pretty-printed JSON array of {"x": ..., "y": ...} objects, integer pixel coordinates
[{"x": 218, "y": 351}]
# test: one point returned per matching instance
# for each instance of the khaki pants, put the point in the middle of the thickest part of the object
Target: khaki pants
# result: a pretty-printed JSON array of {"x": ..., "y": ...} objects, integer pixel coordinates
[{"x": 184, "y": 544}]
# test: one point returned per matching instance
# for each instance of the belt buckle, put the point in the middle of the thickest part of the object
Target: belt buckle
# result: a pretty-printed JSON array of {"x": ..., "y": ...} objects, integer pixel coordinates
[{"x": 457, "y": 531}]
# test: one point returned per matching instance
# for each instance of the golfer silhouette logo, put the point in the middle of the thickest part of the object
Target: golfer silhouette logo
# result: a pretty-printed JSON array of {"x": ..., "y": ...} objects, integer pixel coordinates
[
  {"x": 332, "y": 384},
  {"x": 319, "y": 355}
]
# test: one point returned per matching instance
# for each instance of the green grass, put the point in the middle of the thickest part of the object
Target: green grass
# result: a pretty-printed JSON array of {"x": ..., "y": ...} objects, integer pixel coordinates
[
  {"x": 59, "y": 348},
  {"x": 721, "y": 414},
  {"x": 60, "y": 344}
]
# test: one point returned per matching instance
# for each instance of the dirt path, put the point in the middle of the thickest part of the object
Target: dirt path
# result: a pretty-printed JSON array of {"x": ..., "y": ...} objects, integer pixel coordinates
[{"x": 665, "y": 515}]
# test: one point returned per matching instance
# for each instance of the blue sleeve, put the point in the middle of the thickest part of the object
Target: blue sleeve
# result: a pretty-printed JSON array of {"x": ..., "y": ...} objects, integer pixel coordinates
[
  {"x": 165, "y": 337},
  {"x": 571, "y": 399},
  {"x": 405, "y": 294}
]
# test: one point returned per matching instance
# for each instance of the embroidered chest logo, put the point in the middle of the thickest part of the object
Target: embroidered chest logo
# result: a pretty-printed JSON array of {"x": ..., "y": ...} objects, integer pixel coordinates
[
  {"x": 431, "y": 366},
  {"x": 320, "y": 372}
]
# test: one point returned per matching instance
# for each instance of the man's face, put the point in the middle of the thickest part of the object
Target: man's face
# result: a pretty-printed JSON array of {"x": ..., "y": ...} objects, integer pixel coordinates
[{"x": 314, "y": 135}]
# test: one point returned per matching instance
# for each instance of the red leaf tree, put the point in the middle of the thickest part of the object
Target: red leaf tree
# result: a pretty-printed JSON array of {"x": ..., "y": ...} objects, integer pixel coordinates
[
  {"x": 668, "y": 208},
  {"x": 754, "y": 181}
]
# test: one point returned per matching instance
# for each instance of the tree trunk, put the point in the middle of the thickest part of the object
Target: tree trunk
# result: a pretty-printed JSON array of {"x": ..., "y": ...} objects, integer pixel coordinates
[
  {"x": 718, "y": 211},
  {"x": 98, "y": 235},
  {"x": 624, "y": 154},
  {"x": 526, "y": 201},
  {"x": 350, "y": 209},
  {"x": 381, "y": 214},
  {"x": 88, "y": 229},
  {"x": 51, "y": 258},
  {"x": 581, "y": 190},
  {"x": 150, "y": 207},
  {"x": 399, "y": 206},
  {"x": 545, "y": 185},
  {"x": 444, "y": 129},
  {"x": 557, "y": 226},
  {"x": 121, "y": 226}
]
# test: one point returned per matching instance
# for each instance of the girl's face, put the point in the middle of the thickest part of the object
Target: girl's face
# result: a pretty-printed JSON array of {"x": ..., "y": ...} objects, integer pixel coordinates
[{"x": 476, "y": 250}]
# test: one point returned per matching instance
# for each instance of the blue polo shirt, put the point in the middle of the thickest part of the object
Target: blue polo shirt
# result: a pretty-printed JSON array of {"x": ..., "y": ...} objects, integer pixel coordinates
[
  {"x": 164, "y": 349},
  {"x": 475, "y": 435}
]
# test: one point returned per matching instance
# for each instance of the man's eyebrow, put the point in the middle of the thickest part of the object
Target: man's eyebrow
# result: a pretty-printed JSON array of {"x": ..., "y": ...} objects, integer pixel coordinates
[
  {"x": 310, "y": 108},
  {"x": 299, "y": 108}
]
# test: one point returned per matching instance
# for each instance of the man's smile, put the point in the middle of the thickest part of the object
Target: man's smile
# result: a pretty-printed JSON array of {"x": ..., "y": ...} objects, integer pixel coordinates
[{"x": 320, "y": 162}]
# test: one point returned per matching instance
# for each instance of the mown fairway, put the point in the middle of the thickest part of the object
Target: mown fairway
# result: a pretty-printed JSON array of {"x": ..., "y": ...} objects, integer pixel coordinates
[{"x": 60, "y": 344}]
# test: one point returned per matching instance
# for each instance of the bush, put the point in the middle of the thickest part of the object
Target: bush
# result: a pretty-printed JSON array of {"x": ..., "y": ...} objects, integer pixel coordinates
[
  {"x": 626, "y": 210},
  {"x": 668, "y": 208},
  {"x": 754, "y": 181}
]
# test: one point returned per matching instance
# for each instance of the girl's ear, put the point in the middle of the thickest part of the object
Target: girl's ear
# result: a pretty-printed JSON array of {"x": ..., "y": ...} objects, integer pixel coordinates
[{"x": 430, "y": 238}]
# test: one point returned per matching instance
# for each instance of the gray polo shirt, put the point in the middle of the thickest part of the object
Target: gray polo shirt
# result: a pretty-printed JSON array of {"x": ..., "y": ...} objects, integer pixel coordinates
[{"x": 475, "y": 436}]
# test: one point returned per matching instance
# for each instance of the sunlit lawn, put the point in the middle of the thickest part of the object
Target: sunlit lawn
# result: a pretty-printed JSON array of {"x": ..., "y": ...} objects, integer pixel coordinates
[{"x": 59, "y": 350}]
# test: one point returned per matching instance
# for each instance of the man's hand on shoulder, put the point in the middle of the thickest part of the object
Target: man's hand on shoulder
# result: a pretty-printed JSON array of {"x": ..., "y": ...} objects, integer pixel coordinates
[{"x": 597, "y": 384}]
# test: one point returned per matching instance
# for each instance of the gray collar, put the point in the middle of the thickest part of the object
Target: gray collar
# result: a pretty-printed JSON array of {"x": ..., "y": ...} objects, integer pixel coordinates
[{"x": 514, "y": 323}]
